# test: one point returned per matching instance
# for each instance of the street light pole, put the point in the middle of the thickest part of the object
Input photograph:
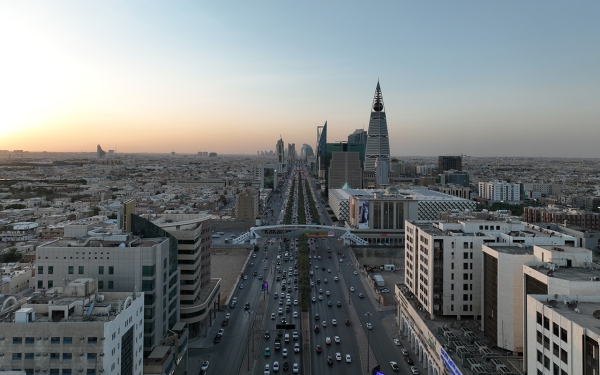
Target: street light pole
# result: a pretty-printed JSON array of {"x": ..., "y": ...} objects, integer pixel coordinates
[{"x": 368, "y": 314}]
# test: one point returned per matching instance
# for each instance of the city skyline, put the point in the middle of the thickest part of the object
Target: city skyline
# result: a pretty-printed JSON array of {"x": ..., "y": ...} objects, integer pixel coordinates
[{"x": 475, "y": 78}]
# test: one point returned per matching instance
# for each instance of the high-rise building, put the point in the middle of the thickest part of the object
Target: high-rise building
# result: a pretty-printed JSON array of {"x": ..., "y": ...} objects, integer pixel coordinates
[
  {"x": 447, "y": 163},
  {"x": 378, "y": 143},
  {"x": 246, "y": 204},
  {"x": 382, "y": 170},
  {"x": 358, "y": 137},
  {"x": 345, "y": 169},
  {"x": 454, "y": 177},
  {"x": 330, "y": 149},
  {"x": 497, "y": 191},
  {"x": 280, "y": 149},
  {"x": 307, "y": 151},
  {"x": 100, "y": 153},
  {"x": 322, "y": 151}
]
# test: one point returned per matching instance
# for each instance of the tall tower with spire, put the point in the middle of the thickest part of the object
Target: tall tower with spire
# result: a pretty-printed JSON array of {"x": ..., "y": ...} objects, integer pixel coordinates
[{"x": 378, "y": 143}]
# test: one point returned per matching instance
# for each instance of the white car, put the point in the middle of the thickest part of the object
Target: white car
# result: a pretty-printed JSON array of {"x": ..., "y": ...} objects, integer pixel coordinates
[
  {"x": 295, "y": 368},
  {"x": 397, "y": 342},
  {"x": 296, "y": 348},
  {"x": 267, "y": 369},
  {"x": 414, "y": 370},
  {"x": 369, "y": 326},
  {"x": 336, "y": 278},
  {"x": 324, "y": 324},
  {"x": 227, "y": 316},
  {"x": 205, "y": 365},
  {"x": 295, "y": 314},
  {"x": 327, "y": 293},
  {"x": 334, "y": 322},
  {"x": 394, "y": 366},
  {"x": 338, "y": 356},
  {"x": 295, "y": 302},
  {"x": 327, "y": 340},
  {"x": 284, "y": 352},
  {"x": 314, "y": 299},
  {"x": 272, "y": 316},
  {"x": 356, "y": 273},
  {"x": 280, "y": 311},
  {"x": 348, "y": 359},
  {"x": 352, "y": 289},
  {"x": 337, "y": 339},
  {"x": 320, "y": 298}
]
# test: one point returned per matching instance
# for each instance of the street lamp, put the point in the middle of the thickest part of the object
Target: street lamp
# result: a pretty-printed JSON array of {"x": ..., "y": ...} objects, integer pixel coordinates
[{"x": 368, "y": 314}]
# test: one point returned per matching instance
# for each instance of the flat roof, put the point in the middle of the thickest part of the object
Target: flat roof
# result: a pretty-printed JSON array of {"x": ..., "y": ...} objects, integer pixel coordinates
[
  {"x": 512, "y": 250},
  {"x": 585, "y": 316}
]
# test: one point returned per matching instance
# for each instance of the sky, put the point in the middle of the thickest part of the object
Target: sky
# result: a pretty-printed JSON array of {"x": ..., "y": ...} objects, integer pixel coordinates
[{"x": 479, "y": 78}]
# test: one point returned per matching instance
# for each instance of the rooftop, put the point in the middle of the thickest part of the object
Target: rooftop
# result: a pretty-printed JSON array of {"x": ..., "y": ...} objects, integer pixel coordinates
[{"x": 578, "y": 309}]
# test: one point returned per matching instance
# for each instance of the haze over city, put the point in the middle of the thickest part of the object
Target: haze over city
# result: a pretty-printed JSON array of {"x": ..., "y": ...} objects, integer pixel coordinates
[{"x": 471, "y": 77}]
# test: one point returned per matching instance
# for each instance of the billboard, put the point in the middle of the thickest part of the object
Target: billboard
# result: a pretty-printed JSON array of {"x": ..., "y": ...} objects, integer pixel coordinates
[{"x": 363, "y": 214}]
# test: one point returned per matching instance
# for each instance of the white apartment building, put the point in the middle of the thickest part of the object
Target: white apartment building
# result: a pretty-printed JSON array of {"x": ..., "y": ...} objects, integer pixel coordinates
[
  {"x": 74, "y": 330},
  {"x": 120, "y": 262},
  {"x": 563, "y": 338},
  {"x": 498, "y": 191}
]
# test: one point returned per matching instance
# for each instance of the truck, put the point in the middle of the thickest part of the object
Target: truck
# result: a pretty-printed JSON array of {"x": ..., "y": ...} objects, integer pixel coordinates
[
  {"x": 378, "y": 280},
  {"x": 389, "y": 267}
]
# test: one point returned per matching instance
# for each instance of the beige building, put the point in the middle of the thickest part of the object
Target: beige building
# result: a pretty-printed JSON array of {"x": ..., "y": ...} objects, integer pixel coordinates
[
  {"x": 247, "y": 204},
  {"x": 345, "y": 169}
]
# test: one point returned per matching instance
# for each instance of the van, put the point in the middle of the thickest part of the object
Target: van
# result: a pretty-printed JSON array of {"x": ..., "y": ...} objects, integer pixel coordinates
[
  {"x": 216, "y": 236},
  {"x": 286, "y": 338}
]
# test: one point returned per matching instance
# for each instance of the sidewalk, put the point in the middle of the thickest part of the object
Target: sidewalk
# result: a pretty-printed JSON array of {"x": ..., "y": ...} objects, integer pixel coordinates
[{"x": 370, "y": 293}]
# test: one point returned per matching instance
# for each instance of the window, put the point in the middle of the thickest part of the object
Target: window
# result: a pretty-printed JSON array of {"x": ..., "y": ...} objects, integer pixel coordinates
[
  {"x": 539, "y": 357},
  {"x": 452, "y": 266},
  {"x": 547, "y": 362},
  {"x": 111, "y": 270},
  {"x": 17, "y": 340},
  {"x": 563, "y": 335},
  {"x": 91, "y": 356},
  {"x": 451, "y": 276},
  {"x": 100, "y": 270},
  {"x": 546, "y": 342},
  {"x": 92, "y": 340},
  {"x": 465, "y": 266},
  {"x": 16, "y": 356},
  {"x": 100, "y": 284},
  {"x": 110, "y": 284},
  {"x": 40, "y": 270},
  {"x": 50, "y": 284},
  {"x": 546, "y": 323},
  {"x": 148, "y": 271},
  {"x": 50, "y": 270},
  {"x": 564, "y": 356},
  {"x": 91, "y": 371},
  {"x": 81, "y": 270},
  {"x": 465, "y": 255},
  {"x": 465, "y": 245},
  {"x": 67, "y": 356},
  {"x": 451, "y": 286},
  {"x": 40, "y": 284},
  {"x": 54, "y": 371},
  {"x": 465, "y": 297},
  {"x": 465, "y": 276},
  {"x": 555, "y": 369},
  {"x": 539, "y": 337},
  {"x": 67, "y": 340},
  {"x": 555, "y": 349},
  {"x": 465, "y": 307},
  {"x": 28, "y": 355},
  {"x": 465, "y": 286},
  {"x": 29, "y": 340},
  {"x": 451, "y": 297},
  {"x": 54, "y": 355},
  {"x": 66, "y": 371},
  {"x": 54, "y": 340},
  {"x": 539, "y": 318},
  {"x": 70, "y": 273},
  {"x": 555, "y": 329}
]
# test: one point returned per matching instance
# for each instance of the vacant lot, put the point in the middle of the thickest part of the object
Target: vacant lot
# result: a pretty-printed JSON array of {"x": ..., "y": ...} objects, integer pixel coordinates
[{"x": 227, "y": 264}]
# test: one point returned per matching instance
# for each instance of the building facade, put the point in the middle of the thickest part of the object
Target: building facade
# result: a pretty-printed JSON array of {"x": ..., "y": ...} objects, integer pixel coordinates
[
  {"x": 500, "y": 191},
  {"x": 378, "y": 143}
]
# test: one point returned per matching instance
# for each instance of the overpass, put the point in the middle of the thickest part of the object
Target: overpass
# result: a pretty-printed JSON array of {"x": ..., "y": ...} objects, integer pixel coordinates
[{"x": 295, "y": 230}]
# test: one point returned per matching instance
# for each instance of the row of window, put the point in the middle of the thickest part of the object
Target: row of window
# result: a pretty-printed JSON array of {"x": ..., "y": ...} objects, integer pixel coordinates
[
  {"x": 64, "y": 357},
  {"x": 81, "y": 270},
  {"x": 545, "y": 361},
  {"x": 556, "y": 350},
  {"x": 556, "y": 330},
  {"x": 50, "y": 284},
  {"x": 53, "y": 340}
]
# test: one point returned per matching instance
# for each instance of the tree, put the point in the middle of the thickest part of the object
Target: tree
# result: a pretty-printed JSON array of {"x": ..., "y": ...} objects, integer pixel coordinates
[
  {"x": 96, "y": 210},
  {"x": 256, "y": 248},
  {"x": 11, "y": 255}
]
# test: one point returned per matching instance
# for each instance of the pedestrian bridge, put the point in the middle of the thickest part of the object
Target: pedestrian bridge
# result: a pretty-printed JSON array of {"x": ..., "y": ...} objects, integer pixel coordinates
[{"x": 295, "y": 230}]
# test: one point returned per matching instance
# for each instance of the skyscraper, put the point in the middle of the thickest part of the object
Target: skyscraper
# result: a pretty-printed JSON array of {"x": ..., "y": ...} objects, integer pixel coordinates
[
  {"x": 100, "y": 153},
  {"x": 280, "y": 151},
  {"x": 447, "y": 163},
  {"x": 378, "y": 143}
]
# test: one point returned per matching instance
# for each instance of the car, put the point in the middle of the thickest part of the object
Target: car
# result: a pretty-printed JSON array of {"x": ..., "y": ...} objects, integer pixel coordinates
[
  {"x": 320, "y": 298},
  {"x": 329, "y": 303},
  {"x": 369, "y": 326},
  {"x": 295, "y": 302},
  {"x": 348, "y": 358},
  {"x": 227, "y": 316},
  {"x": 247, "y": 306},
  {"x": 347, "y": 322},
  {"x": 414, "y": 370},
  {"x": 338, "y": 356},
  {"x": 384, "y": 290},
  {"x": 204, "y": 365},
  {"x": 232, "y": 305},
  {"x": 275, "y": 366},
  {"x": 283, "y": 321},
  {"x": 329, "y": 270},
  {"x": 267, "y": 335},
  {"x": 217, "y": 339},
  {"x": 317, "y": 316},
  {"x": 397, "y": 342},
  {"x": 312, "y": 283},
  {"x": 282, "y": 295},
  {"x": 394, "y": 366},
  {"x": 295, "y": 336},
  {"x": 314, "y": 299},
  {"x": 267, "y": 352},
  {"x": 245, "y": 277},
  {"x": 284, "y": 352},
  {"x": 337, "y": 339},
  {"x": 260, "y": 277},
  {"x": 241, "y": 286},
  {"x": 295, "y": 287},
  {"x": 323, "y": 268},
  {"x": 329, "y": 360},
  {"x": 267, "y": 370},
  {"x": 319, "y": 350},
  {"x": 334, "y": 322},
  {"x": 409, "y": 360},
  {"x": 355, "y": 272},
  {"x": 336, "y": 278},
  {"x": 318, "y": 281},
  {"x": 221, "y": 332},
  {"x": 295, "y": 314},
  {"x": 296, "y": 348},
  {"x": 265, "y": 268},
  {"x": 285, "y": 366},
  {"x": 317, "y": 329},
  {"x": 404, "y": 352},
  {"x": 325, "y": 281},
  {"x": 251, "y": 264},
  {"x": 327, "y": 293},
  {"x": 280, "y": 302},
  {"x": 320, "y": 291},
  {"x": 339, "y": 304},
  {"x": 360, "y": 295},
  {"x": 253, "y": 255},
  {"x": 280, "y": 311},
  {"x": 319, "y": 257},
  {"x": 352, "y": 289},
  {"x": 324, "y": 323},
  {"x": 295, "y": 368},
  {"x": 316, "y": 267},
  {"x": 328, "y": 340}
]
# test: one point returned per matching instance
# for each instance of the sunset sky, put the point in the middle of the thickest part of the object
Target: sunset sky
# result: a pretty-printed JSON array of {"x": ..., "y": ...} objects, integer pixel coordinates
[{"x": 481, "y": 78}]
